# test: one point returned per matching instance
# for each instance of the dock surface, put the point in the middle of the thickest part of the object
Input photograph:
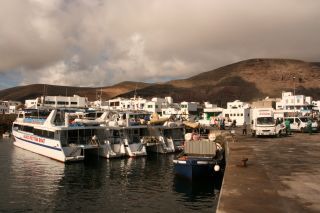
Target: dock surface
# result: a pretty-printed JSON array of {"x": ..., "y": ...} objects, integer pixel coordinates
[{"x": 282, "y": 175}]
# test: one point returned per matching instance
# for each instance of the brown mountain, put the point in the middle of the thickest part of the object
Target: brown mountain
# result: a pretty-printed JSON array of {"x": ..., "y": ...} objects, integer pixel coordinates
[
  {"x": 35, "y": 90},
  {"x": 246, "y": 80}
]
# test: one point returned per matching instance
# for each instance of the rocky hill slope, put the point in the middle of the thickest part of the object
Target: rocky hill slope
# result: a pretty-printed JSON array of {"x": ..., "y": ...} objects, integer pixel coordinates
[
  {"x": 35, "y": 90},
  {"x": 245, "y": 80}
]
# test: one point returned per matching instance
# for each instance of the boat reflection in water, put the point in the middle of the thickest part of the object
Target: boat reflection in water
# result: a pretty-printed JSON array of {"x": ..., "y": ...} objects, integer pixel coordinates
[
  {"x": 31, "y": 182},
  {"x": 198, "y": 195}
]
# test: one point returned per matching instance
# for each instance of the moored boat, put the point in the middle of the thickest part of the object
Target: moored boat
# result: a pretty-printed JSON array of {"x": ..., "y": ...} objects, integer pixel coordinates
[
  {"x": 53, "y": 134},
  {"x": 201, "y": 158}
]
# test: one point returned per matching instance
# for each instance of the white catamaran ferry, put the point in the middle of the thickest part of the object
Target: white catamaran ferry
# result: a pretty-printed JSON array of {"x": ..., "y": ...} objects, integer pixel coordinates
[{"x": 52, "y": 134}]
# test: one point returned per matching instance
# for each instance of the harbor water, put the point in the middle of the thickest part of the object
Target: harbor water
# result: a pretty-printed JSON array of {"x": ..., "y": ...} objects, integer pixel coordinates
[{"x": 32, "y": 183}]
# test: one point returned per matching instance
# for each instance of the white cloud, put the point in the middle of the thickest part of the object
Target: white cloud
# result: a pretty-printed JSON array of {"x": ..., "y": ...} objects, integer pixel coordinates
[{"x": 102, "y": 42}]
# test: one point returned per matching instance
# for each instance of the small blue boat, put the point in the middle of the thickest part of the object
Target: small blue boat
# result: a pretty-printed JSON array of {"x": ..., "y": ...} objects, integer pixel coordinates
[{"x": 201, "y": 159}]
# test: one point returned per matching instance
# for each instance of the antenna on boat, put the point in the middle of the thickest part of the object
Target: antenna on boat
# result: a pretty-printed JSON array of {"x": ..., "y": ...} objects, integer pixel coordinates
[{"x": 44, "y": 95}]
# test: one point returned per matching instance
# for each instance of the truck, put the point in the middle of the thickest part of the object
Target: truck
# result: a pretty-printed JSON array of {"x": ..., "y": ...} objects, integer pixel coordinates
[{"x": 264, "y": 123}]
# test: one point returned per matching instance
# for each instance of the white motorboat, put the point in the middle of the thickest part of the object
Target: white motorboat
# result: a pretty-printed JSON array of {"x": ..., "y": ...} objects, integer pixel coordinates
[{"x": 52, "y": 134}]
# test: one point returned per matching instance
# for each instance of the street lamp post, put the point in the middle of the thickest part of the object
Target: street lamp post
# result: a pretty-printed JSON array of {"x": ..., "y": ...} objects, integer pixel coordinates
[{"x": 294, "y": 95}]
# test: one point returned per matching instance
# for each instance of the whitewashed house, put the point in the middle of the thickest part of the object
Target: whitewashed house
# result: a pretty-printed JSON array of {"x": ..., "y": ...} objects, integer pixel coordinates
[
  {"x": 238, "y": 111},
  {"x": 74, "y": 101}
]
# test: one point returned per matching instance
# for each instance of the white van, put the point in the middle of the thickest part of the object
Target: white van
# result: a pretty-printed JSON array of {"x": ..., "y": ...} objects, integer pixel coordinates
[{"x": 300, "y": 124}]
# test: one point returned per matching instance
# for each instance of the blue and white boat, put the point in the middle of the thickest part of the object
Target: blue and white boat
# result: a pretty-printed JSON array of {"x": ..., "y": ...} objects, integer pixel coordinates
[
  {"x": 202, "y": 158},
  {"x": 55, "y": 135}
]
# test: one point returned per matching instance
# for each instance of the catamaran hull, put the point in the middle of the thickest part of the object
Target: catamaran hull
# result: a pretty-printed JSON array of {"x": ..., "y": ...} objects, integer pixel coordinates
[
  {"x": 47, "y": 150},
  {"x": 136, "y": 150},
  {"x": 51, "y": 152}
]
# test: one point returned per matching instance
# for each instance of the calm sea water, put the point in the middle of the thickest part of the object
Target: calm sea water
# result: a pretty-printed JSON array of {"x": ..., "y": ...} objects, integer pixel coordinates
[{"x": 33, "y": 183}]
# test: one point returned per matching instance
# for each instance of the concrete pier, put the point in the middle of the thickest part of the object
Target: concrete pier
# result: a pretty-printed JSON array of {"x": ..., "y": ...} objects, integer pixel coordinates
[{"x": 282, "y": 175}]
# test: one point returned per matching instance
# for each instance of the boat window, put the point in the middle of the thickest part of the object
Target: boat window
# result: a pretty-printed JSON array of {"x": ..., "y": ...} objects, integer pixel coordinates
[
  {"x": 28, "y": 129},
  {"x": 43, "y": 133},
  {"x": 63, "y": 138},
  {"x": 116, "y": 134},
  {"x": 135, "y": 139},
  {"x": 50, "y": 134},
  {"x": 72, "y": 136}
]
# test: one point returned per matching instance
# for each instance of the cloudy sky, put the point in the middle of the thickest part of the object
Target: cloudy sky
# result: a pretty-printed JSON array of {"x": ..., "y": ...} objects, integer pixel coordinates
[{"x": 102, "y": 42}]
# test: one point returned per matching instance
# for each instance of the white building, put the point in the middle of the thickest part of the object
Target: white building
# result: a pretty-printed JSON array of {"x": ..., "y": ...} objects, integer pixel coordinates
[
  {"x": 99, "y": 104},
  {"x": 211, "y": 112},
  {"x": 4, "y": 107},
  {"x": 9, "y": 107},
  {"x": 188, "y": 109},
  {"x": 13, "y": 106},
  {"x": 292, "y": 102},
  {"x": 316, "y": 105},
  {"x": 127, "y": 104},
  {"x": 238, "y": 111},
  {"x": 154, "y": 107},
  {"x": 74, "y": 101},
  {"x": 173, "y": 109}
]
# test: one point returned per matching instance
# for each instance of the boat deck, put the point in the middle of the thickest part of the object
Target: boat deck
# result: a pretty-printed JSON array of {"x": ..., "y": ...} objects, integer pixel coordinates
[{"x": 282, "y": 175}]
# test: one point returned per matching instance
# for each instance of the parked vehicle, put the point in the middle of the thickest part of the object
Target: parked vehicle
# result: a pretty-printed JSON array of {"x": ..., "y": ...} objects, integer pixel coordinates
[
  {"x": 264, "y": 123},
  {"x": 300, "y": 124}
]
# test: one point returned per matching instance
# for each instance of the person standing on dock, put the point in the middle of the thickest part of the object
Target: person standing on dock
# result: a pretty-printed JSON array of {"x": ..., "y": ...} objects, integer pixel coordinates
[
  {"x": 287, "y": 124},
  {"x": 244, "y": 128},
  {"x": 309, "y": 126}
]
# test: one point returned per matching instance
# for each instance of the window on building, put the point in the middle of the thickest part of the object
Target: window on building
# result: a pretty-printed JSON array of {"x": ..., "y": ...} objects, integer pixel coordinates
[
  {"x": 50, "y": 102},
  {"x": 63, "y": 103}
]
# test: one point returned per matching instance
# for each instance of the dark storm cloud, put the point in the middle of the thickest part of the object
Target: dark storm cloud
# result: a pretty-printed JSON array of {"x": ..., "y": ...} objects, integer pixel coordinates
[{"x": 64, "y": 42}]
